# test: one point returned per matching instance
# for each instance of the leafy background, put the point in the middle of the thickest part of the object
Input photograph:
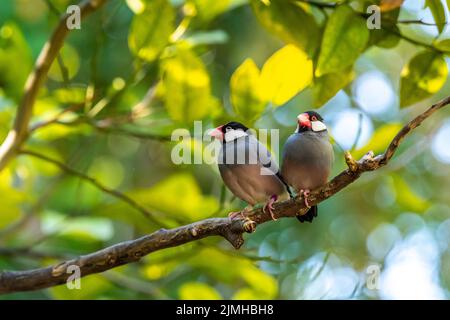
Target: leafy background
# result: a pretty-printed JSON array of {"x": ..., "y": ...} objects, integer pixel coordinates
[{"x": 139, "y": 69}]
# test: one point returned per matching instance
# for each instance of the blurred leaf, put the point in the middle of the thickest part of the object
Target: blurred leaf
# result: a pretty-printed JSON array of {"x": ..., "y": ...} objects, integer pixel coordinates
[
  {"x": 71, "y": 64},
  {"x": 70, "y": 95},
  {"x": 289, "y": 21},
  {"x": 187, "y": 87},
  {"x": 92, "y": 287},
  {"x": 380, "y": 140},
  {"x": 407, "y": 198},
  {"x": 150, "y": 29},
  {"x": 423, "y": 76},
  {"x": 247, "y": 95},
  {"x": 438, "y": 11},
  {"x": 230, "y": 269},
  {"x": 15, "y": 60},
  {"x": 190, "y": 203},
  {"x": 443, "y": 45},
  {"x": 344, "y": 39},
  {"x": 137, "y": 6},
  {"x": 11, "y": 199},
  {"x": 328, "y": 85},
  {"x": 384, "y": 38},
  {"x": 285, "y": 73},
  {"x": 207, "y": 10},
  {"x": 207, "y": 38},
  {"x": 198, "y": 291}
]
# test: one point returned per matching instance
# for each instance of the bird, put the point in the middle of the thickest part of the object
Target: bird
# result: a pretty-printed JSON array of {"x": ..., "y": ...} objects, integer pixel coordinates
[
  {"x": 307, "y": 158},
  {"x": 247, "y": 168}
]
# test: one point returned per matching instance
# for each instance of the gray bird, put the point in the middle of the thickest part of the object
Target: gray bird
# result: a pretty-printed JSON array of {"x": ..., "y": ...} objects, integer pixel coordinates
[
  {"x": 307, "y": 158},
  {"x": 247, "y": 168}
]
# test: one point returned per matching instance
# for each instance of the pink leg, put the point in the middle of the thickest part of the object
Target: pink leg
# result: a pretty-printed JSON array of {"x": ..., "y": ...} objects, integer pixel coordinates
[
  {"x": 305, "y": 194},
  {"x": 269, "y": 206}
]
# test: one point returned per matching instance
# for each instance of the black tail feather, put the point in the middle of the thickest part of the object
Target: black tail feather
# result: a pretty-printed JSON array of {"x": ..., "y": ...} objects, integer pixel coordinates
[{"x": 308, "y": 216}]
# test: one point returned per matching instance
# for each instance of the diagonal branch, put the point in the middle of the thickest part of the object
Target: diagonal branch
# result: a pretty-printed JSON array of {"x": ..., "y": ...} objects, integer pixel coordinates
[
  {"x": 133, "y": 250},
  {"x": 19, "y": 132}
]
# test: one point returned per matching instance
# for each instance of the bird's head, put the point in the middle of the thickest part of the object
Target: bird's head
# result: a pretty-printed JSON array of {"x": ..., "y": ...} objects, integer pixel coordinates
[
  {"x": 310, "y": 121},
  {"x": 229, "y": 132}
]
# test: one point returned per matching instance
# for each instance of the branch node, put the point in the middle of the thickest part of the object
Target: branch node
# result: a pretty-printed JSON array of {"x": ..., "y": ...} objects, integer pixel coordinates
[{"x": 351, "y": 163}]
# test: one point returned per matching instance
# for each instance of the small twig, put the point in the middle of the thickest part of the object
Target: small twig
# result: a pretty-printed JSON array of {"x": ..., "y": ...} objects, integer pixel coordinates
[{"x": 115, "y": 193}]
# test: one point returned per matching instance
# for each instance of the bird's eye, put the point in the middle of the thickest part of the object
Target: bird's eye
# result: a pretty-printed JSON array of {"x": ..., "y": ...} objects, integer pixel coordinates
[
  {"x": 314, "y": 118},
  {"x": 228, "y": 128}
]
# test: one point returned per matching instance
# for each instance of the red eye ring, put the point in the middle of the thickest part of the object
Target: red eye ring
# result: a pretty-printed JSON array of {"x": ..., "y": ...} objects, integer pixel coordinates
[{"x": 314, "y": 118}]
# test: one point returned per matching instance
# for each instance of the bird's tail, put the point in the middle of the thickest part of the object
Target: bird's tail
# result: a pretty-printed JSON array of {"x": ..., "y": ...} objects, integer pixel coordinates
[{"x": 308, "y": 216}]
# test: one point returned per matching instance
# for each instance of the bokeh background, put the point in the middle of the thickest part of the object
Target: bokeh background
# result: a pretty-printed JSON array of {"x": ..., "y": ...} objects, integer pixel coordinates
[{"x": 138, "y": 69}]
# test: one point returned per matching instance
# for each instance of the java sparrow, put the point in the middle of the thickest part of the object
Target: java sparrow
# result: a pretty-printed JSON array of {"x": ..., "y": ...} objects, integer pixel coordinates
[
  {"x": 307, "y": 158},
  {"x": 247, "y": 168}
]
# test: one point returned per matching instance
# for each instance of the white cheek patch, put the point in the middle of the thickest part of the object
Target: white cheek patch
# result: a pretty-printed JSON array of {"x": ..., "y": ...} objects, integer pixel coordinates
[
  {"x": 318, "y": 126},
  {"x": 234, "y": 134}
]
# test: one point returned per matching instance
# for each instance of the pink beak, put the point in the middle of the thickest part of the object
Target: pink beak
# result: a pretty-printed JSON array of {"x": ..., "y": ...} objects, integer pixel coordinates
[
  {"x": 217, "y": 133},
  {"x": 303, "y": 120}
]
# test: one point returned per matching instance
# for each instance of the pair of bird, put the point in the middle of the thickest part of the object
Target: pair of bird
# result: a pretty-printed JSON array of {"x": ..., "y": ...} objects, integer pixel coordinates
[{"x": 251, "y": 174}]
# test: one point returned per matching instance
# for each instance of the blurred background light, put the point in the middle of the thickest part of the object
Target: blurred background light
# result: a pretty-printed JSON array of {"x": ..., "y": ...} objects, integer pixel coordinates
[
  {"x": 374, "y": 94},
  {"x": 345, "y": 127},
  {"x": 441, "y": 143}
]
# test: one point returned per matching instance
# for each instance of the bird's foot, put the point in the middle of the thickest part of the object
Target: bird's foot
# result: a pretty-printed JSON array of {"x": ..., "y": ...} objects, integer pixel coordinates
[
  {"x": 305, "y": 194},
  {"x": 249, "y": 225},
  {"x": 269, "y": 206}
]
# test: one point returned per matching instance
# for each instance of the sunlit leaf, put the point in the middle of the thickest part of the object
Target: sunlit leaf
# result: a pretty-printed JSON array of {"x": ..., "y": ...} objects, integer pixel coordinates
[
  {"x": 70, "y": 95},
  {"x": 198, "y": 291},
  {"x": 423, "y": 76},
  {"x": 247, "y": 95},
  {"x": 285, "y": 73},
  {"x": 15, "y": 60},
  {"x": 290, "y": 22},
  {"x": 207, "y": 10},
  {"x": 137, "y": 6},
  {"x": 187, "y": 87},
  {"x": 328, "y": 85},
  {"x": 379, "y": 140},
  {"x": 66, "y": 65},
  {"x": 150, "y": 29},
  {"x": 437, "y": 9},
  {"x": 388, "y": 5},
  {"x": 344, "y": 39}
]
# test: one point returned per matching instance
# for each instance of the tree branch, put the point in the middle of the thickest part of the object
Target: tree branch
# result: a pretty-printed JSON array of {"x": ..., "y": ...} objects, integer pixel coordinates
[
  {"x": 232, "y": 230},
  {"x": 19, "y": 132}
]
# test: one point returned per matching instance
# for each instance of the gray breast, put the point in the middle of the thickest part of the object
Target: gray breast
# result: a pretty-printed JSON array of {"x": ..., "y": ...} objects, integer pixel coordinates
[
  {"x": 307, "y": 160},
  {"x": 248, "y": 170}
]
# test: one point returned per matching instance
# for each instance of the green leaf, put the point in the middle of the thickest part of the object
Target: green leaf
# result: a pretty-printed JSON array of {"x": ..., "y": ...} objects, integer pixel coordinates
[
  {"x": 15, "y": 60},
  {"x": 150, "y": 30},
  {"x": 286, "y": 73},
  {"x": 345, "y": 38},
  {"x": 247, "y": 97},
  {"x": 437, "y": 9},
  {"x": 206, "y": 10},
  {"x": 198, "y": 291},
  {"x": 68, "y": 65},
  {"x": 70, "y": 95},
  {"x": 423, "y": 76},
  {"x": 290, "y": 22},
  {"x": 187, "y": 91},
  {"x": 407, "y": 197},
  {"x": 380, "y": 140},
  {"x": 384, "y": 38},
  {"x": 326, "y": 86},
  {"x": 443, "y": 45}
]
